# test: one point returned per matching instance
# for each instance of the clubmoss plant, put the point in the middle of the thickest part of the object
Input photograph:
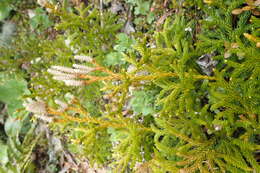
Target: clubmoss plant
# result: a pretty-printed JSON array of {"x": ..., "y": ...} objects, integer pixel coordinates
[
  {"x": 199, "y": 83},
  {"x": 204, "y": 121}
]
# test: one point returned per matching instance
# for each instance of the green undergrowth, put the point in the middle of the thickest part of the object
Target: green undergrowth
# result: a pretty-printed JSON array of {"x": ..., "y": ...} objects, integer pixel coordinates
[
  {"x": 17, "y": 132},
  {"x": 183, "y": 98}
]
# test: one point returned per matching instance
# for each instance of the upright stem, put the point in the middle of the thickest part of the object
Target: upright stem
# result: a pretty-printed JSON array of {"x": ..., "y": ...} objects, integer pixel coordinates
[{"x": 101, "y": 12}]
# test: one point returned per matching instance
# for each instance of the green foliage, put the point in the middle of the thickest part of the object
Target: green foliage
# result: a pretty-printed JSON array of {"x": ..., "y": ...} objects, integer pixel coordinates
[
  {"x": 189, "y": 3},
  {"x": 123, "y": 45},
  {"x": 114, "y": 58},
  {"x": 15, "y": 155},
  {"x": 142, "y": 102},
  {"x": 153, "y": 108},
  {"x": 40, "y": 21},
  {"x": 84, "y": 31},
  {"x": 142, "y": 8},
  {"x": 10, "y": 8},
  {"x": 176, "y": 118},
  {"x": 19, "y": 139},
  {"x": 229, "y": 100},
  {"x": 5, "y": 8},
  {"x": 12, "y": 89}
]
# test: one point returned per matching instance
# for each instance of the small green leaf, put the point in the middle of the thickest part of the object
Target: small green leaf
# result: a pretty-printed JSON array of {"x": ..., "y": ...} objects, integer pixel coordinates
[
  {"x": 114, "y": 58},
  {"x": 142, "y": 8},
  {"x": 143, "y": 102},
  {"x": 11, "y": 91},
  {"x": 4, "y": 11},
  {"x": 124, "y": 43},
  {"x": 119, "y": 48},
  {"x": 40, "y": 19},
  {"x": 13, "y": 127},
  {"x": 150, "y": 18}
]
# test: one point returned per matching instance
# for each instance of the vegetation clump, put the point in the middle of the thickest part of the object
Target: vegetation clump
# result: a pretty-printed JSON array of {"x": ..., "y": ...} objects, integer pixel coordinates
[{"x": 181, "y": 97}]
